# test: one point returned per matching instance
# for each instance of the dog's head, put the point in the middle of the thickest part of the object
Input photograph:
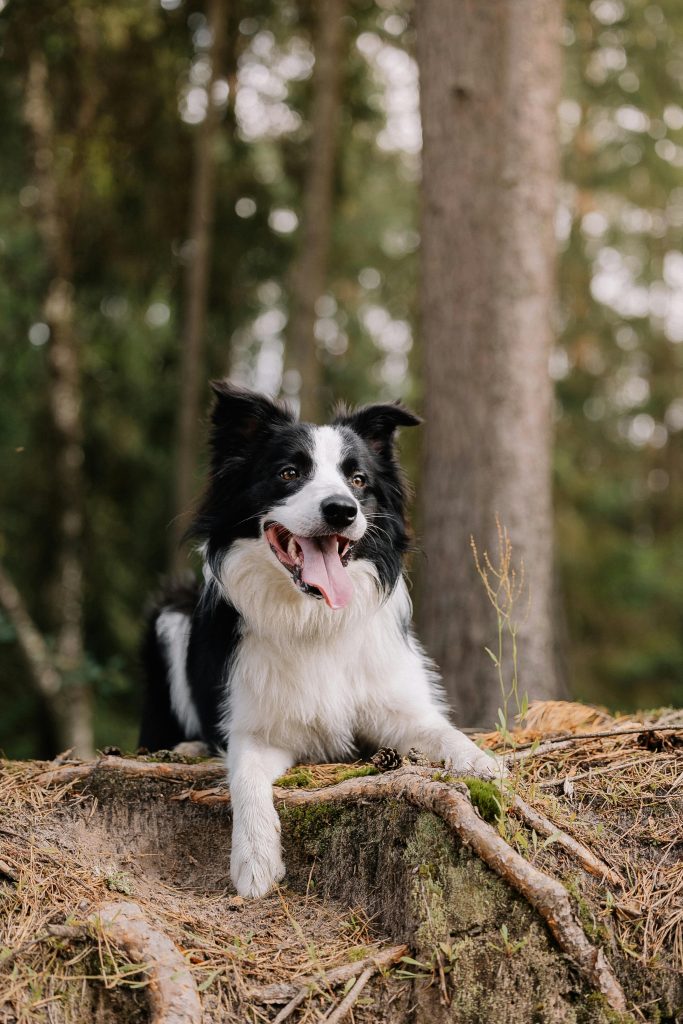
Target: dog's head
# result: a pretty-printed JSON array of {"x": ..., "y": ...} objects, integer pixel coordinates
[{"x": 316, "y": 497}]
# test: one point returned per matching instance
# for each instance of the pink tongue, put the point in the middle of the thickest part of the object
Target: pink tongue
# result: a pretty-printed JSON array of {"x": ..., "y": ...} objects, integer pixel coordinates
[{"x": 323, "y": 569}]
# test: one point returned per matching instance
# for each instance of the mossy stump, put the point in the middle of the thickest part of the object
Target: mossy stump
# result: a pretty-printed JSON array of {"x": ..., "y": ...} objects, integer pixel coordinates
[{"x": 479, "y": 954}]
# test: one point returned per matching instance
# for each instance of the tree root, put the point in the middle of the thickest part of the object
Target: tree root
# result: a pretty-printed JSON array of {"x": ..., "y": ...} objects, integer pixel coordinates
[
  {"x": 545, "y": 827},
  {"x": 450, "y": 801},
  {"x": 168, "y": 771},
  {"x": 172, "y": 991}
]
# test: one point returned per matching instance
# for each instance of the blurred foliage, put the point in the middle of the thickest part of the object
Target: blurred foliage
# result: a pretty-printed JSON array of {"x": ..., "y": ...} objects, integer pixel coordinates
[{"x": 617, "y": 364}]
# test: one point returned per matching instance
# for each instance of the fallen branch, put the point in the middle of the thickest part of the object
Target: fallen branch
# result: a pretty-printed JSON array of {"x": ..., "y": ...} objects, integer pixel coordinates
[
  {"x": 561, "y": 743},
  {"x": 281, "y": 993},
  {"x": 172, "y": 992},
  {"x": 545, "y": 827}
]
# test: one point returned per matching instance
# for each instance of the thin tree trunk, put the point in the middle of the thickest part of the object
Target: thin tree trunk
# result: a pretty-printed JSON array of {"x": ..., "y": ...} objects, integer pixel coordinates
[
  {"x": 490, "y": 85},
  {"x": 308, "y": 276},
  {"x": 197, "y": 276},
  {"x": 55, "y": 222}
]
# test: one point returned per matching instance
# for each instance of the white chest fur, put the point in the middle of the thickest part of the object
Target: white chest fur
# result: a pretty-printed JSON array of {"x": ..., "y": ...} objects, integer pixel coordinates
[{"x": 312, "y": 680}]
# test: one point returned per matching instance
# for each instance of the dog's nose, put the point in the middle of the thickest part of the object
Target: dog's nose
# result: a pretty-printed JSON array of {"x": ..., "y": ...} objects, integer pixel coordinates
[{"x": 338, "y": 511}]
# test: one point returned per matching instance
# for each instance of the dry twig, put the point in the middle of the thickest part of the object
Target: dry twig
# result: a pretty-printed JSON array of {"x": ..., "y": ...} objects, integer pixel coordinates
[{"x": 280, "y": 993}]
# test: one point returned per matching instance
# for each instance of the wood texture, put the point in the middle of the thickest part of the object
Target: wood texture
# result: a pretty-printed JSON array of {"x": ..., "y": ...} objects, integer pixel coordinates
[
  {"x": 308, "y": 276},
  {"x": 490, "y": 82},
  {"x": 197, "y": 276}
]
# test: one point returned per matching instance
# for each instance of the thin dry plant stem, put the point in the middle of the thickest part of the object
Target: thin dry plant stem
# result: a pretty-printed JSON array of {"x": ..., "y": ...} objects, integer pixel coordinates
[{"x": 504, "y": 588}]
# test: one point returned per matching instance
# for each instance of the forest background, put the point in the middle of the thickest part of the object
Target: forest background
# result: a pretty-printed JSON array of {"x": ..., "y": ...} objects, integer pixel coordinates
[{"x": 143, "y": 142}]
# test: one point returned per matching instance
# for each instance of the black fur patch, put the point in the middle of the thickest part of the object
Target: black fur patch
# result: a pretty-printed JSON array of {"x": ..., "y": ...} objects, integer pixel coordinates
[{"x": 252, "y": 439}]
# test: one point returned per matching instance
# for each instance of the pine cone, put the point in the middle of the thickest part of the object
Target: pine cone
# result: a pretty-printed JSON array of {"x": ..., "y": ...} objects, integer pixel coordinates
[
  {"x": 416, "y": 756},
  {"x": 386, "y": 759}
]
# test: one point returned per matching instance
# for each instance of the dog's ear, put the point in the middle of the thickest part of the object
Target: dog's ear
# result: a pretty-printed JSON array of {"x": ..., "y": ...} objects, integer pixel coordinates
[
  {"x": 377, "y": 424},
  {"x": 240, "y": 416}
]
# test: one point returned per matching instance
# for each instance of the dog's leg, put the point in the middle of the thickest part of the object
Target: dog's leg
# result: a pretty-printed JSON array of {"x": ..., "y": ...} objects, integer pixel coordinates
[
  {"x": 256, "y": 857},
  {"x": 431, "y": 733}
]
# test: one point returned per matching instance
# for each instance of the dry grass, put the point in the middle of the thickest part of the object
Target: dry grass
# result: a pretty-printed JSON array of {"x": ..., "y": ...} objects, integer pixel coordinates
[
  {"x": 621, "y": 794},
  {"x": 231, "y": 945}
]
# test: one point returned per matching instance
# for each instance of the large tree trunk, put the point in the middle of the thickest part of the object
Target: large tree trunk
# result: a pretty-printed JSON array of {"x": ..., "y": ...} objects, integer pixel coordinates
[
  {"x": 197, "y": 276},
  {"x": 309, "y": 270},
  {"x": 57, "y": 209},
  {"x": 490, "y": 81}
]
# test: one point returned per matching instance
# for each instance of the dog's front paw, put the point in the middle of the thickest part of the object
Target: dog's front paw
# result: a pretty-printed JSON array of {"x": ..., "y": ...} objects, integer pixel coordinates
[
  {"x": 467, "y": 759},
  {"x": 256, "y": 866}
]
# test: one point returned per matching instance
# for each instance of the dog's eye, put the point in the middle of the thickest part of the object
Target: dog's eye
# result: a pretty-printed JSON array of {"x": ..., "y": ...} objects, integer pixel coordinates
[
  {"x": 358, "y": 480},
  {"x": 289, "y": 473}
]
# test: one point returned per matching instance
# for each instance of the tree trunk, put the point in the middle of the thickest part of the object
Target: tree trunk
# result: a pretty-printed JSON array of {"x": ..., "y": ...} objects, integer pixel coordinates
[
  {"x": 308, "y": 276},
  {"x": 57, "y": 210},
  {"x": 197, "y": 276},
  {"x": 490, "y": 81}
]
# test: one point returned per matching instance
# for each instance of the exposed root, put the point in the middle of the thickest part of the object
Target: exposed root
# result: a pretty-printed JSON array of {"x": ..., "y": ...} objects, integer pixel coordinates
[
  {"x": 172, "y": 992},
  {"x": 545, "y": 827},
  {"x": 451, "y": 803},
  {"x": 203, "y": 771}
]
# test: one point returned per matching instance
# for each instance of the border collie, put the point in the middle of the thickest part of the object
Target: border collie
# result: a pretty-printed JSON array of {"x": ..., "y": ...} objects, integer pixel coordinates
[{"x": 298, "y": 646}]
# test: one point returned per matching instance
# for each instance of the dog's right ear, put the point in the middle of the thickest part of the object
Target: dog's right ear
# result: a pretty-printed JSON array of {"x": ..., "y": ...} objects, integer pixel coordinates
[{"x": 239, "y": 417}]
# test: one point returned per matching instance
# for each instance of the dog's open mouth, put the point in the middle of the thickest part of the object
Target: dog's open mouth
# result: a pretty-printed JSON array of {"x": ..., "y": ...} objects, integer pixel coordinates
[{"x": 317, "y": 564}]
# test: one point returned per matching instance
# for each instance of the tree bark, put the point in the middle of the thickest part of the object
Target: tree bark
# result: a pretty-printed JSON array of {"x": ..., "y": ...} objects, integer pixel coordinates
[
  {"x": 490, "y": 84},
  {"x": 197, "y": 276},
  {"x": 57, "y": 209},
  {"x": 308, "y": 276}
]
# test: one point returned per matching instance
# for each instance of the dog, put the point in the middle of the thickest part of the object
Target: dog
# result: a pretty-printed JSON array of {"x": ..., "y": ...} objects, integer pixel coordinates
[{"x": 298, "y": 646}]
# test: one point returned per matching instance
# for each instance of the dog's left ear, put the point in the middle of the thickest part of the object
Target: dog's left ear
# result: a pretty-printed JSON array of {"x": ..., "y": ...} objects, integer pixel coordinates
[{"x": 377, "y": 424}]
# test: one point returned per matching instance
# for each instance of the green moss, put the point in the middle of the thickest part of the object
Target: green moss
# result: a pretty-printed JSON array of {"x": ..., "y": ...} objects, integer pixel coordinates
[
  {"x": 594, "y": 929},
  {"x": 485, "y": 797},
  {"x": 356, "y": 773},
  {"x": 119, "y": 881},
  {"x": 299, "y": 779},
  {"x": 358, "y": 953},
  {"x": 595, "y": 1010}
]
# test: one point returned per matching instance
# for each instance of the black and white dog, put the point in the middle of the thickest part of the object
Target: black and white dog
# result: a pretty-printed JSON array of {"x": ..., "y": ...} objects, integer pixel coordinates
[{"x": 299, "y": 645}]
